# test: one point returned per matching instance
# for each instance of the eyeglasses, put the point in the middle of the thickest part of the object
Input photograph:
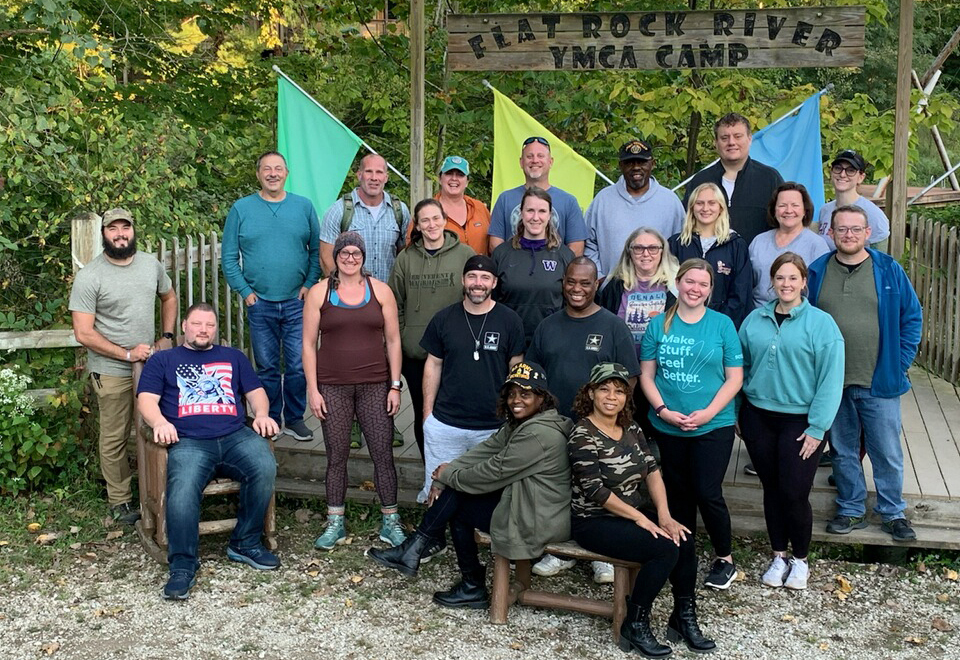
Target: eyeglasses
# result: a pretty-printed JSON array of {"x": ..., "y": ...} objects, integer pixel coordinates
[
  {"x": 351, "y": 255},
  {"x": 843, "y": 231},
  {"x": 538, "y": 140},
  {"x": 649, "y": 249},
  {"x": 840, "y": 169}
]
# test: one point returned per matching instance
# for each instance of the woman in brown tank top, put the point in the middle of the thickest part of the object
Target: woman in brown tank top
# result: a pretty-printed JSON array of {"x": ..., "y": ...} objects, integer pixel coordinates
[{"x": 355, "y": 371}]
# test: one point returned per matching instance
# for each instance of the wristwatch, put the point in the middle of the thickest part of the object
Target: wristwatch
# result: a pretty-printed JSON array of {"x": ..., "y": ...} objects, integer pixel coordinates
[
  {"x": 167, "y": 335},
  {"x": 397, "y": 385}
]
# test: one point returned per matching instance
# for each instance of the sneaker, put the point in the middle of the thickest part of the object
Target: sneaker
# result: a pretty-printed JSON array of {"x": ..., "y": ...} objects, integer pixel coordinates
[
  {"x": 550, "y": 566},
  {"x": 721, "y": 574},
  {"x": 899, "y": 529},
  {"x": 299, "y": 431},
  {"x": 397, "y": 437},
  {"x": 355, "y": 436},
  {"x": 832, "y": 480},
  {"x": 179, "y": 585},
  {"x": 845, "y": 524},
  {"x": 826, "y": 459},
  {"x": 391, "y": 531},
  {"x": 748, "y": 469},
  {"x": 799, "y": 572},
  {"x": 125, "y": 514},
  {"x": 258, "y": 557},
  {"x": 602, "y": 572},
  {"x": 776, "y": 572},
  {"x": 334, "y": 535},
  {"x": 435, "y": 548}
]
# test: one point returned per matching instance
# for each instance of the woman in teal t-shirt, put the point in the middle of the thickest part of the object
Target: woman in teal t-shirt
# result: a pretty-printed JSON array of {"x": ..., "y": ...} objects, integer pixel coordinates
[{"x": 691, "y": 369}]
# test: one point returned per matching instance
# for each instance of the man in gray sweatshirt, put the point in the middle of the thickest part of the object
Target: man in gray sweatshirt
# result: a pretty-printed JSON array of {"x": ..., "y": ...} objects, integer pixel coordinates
[{"x": 635, "y": 200}]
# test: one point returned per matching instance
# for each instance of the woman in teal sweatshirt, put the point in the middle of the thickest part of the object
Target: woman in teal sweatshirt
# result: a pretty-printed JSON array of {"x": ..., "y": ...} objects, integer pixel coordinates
[{"x": 793, "y": 381}]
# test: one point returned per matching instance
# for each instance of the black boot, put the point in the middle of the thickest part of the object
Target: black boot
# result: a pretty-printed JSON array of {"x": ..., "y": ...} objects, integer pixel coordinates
[
  {"x": 405, "y": 557},
  {"x": 635, "y": 633},
  {"x": 683, "y": 625},
  {"x": 470, "y": 592}
]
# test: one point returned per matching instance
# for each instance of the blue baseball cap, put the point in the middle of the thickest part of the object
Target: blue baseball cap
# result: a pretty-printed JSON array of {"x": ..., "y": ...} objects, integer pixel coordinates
[{"x": 455, "y": 163}]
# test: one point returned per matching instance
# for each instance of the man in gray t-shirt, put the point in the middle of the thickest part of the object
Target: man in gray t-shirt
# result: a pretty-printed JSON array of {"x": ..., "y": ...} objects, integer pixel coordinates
[{"x": 112, "y": 303}]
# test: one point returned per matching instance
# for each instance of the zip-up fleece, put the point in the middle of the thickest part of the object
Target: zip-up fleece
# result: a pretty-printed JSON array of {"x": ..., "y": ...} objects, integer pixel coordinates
[
  {"x": 732, "y": 274},
  {"x": 425, "y": 283}
]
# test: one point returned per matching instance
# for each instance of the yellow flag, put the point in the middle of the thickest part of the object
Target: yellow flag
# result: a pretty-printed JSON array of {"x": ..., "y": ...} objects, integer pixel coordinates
[{"x": 511, "y": 126}]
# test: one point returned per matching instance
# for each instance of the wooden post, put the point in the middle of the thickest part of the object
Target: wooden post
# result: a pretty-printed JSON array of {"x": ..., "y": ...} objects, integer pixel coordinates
[
  {"x": 85, "y": 241},
  {"x": 901, "y": 132},
  {"x": 417, "y": 75}
]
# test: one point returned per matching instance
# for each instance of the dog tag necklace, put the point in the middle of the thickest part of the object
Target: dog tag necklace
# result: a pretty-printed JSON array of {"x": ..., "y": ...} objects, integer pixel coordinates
[{"x": 476, "y": 338}]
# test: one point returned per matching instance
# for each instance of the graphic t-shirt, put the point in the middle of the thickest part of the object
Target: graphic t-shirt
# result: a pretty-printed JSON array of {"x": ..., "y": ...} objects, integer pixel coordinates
[
  {"x": 639, "y": 305},
  {"x": 690, "y": 366},
  {"x": 201, "y": 392},
  {"x": 469, "y": 388}
]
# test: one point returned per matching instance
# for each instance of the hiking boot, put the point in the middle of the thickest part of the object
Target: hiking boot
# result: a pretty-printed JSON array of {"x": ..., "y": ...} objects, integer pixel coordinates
[
  {"x": 721, "y": 575},
  {"x": 899, "y": 529},
  {"x": 125, "y": 514},
  {"x": 391, "y": 531},
  {"x": 435, "y": 548},
  {"x": 258, "y": 557},
  {"x": 299, "y": 431},
  {"x": 470, "y": 592},
  {"x": 550, "y": 566},
  {"x": 845, "y": 524},
  {"x": 749, "y": 469},
  {"x": 635, "y": 633},
  {"x": 683, "y": 626},
  {"x": 333, "y": 535},
  {"x": 179, "y": 584},
  {"x": 355, "y": 436},
  {"x": 602, "y": 572},
  {"x": 826, "y": 459},
  {"x": 776, "y": 573},
  {"x": 397, "y": 437},
  {"x": 404, "y": 557},
  {"x": 799, "y": 573}
]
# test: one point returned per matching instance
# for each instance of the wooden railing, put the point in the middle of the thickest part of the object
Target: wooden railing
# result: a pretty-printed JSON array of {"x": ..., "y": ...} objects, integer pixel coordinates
[{"x": 935, "y": 272}]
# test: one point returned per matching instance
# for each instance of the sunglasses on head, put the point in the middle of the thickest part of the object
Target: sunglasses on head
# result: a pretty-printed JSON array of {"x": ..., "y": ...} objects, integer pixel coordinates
[{"x": 538, "y": 140}]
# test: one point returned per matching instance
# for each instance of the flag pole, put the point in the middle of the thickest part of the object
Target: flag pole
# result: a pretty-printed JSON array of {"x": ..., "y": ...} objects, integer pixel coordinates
[
  {"x": 333, "y": 117},
  {"x": 825, "y": 90},
  {"x": 486, "y": 83}
]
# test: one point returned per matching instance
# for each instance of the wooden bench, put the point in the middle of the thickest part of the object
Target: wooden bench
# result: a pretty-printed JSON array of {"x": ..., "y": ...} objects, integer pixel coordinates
[{"x": 505, "y": 593}]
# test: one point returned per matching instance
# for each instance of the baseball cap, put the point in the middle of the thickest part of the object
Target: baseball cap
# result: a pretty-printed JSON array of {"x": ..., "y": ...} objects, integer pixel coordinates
[
  {"x": 636, "y": 150},
  {"x": 607, "y": 370},
  {"x": 480, "y": 262},
  {"x": 852, "y": 157},
  {"x": 455, "y": 163},
  {"x": 527, "y": 375},
  {"x": 117, "y": 214}
]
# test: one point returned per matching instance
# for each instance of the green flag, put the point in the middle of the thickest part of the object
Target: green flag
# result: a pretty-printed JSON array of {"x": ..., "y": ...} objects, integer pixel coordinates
[{"x": 318, "y": 148}]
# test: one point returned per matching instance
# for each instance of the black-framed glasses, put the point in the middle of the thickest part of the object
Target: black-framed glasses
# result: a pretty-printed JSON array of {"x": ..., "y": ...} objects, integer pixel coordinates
[
  {"x": 649, "y": 249},
  {"x": 843, "y": 231},
  {"x": 840, "y": 169},
  {"x": 538, "y": 140}
]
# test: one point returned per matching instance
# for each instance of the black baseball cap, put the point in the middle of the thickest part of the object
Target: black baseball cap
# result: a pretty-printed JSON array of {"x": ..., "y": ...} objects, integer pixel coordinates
[
  {"x": 852, "y": 157},
  {"x": 527, "y": 375},
  {"x": 636, "y": 150}
]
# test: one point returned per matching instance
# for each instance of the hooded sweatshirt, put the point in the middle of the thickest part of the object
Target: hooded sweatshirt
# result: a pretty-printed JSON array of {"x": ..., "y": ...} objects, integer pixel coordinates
[{"x": 425, "y": 283}]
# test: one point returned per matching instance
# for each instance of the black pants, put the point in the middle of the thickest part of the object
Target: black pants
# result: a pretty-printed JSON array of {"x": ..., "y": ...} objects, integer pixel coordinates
[
  {"x": 412, "y": 370},
  {"x": 622, "y": 539},
  {"x": 464, "y": 512},
  {"x": 693, "y": 469},
  {"x": 771, "y": 439},
  {"x": 641, "y": 408}
]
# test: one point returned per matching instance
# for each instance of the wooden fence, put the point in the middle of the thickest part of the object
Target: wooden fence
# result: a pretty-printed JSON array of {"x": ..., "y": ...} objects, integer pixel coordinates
[{"x": 935, "y": 272}]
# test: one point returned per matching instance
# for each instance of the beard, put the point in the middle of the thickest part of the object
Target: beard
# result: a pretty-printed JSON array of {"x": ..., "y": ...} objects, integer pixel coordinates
[
  {"x": 200, "y": 344},
  {"x": 120, "y": 253},
  {"x": 477, "y": 298}
]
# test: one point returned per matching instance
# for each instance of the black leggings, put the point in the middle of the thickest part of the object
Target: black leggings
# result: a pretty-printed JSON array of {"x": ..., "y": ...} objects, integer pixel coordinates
[
  {"x": 771, "y": 439},
  {"x": 693, "y": 469},
  {"x": 622, "y": 539},
  {"x": 368, "y": 402},
  {"x": 465, "y": 513},
  {"x": 412, "y": 370}
]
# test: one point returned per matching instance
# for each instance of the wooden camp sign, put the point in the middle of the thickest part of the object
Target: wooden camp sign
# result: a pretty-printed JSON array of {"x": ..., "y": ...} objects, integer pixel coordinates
[{"x": 754, "y": 38}]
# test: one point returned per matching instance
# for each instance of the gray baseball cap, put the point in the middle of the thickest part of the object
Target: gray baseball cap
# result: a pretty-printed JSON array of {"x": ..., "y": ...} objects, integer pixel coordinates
[{"x": 117, "y": 214}]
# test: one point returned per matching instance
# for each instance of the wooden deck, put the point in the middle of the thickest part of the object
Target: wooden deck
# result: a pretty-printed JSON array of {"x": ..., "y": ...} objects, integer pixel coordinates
[{"x": 931, "y": 430}]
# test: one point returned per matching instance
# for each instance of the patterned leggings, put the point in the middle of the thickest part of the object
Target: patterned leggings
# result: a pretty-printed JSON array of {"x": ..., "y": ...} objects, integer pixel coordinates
[{"x": 368, "y": 402}]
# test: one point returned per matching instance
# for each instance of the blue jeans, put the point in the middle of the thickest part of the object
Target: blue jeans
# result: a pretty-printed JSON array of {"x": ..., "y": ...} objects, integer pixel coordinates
[
  {"x": 274, "y": 325},
  {"x": 879, "y": 419},
  {"x": 191, "y": 463}
]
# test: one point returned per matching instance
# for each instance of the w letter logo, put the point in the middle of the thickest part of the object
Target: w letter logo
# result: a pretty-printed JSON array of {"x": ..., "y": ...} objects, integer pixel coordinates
[{"x": 549, "y": 266}]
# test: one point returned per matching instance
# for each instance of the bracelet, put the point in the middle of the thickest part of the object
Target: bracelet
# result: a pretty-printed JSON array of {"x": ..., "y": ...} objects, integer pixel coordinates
[
  {"x": 128, "y": 356},
  {"x": 660, "y": 409},
  {"x": 395, "y": 389}
]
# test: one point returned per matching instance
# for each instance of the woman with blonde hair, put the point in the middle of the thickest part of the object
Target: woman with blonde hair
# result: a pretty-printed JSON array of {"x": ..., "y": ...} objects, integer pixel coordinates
[
  {"x": 707, "y": 235},
  {"x": 691, "y": 368}
]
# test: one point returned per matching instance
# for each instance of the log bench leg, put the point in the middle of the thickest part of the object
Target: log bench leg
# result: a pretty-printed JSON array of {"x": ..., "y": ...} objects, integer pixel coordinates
[
  {"x": 621, "y": 587},
  {"x": 500, "y": 599}
]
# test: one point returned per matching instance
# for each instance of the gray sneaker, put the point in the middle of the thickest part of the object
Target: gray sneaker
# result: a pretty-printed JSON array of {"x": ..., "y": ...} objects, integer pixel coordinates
[
  {"x": 299, "y": 431},
  {"x": 899, "y": 529},
  {"x": 846, "y": 524},
  {"x": 125, "y": 514}
]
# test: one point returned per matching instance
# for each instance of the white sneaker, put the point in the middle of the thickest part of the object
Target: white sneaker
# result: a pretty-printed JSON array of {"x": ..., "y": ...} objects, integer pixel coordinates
[
  {"x": 550, "y": 565},
  {"x": 799, "y": 572},
  {"x": 776, "y": 573},
  {"x": 602, "y": 572}
]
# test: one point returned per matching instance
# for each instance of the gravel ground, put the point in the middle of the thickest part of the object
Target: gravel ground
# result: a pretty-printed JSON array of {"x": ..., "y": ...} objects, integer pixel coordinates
[{"x": 102, "y": 601}]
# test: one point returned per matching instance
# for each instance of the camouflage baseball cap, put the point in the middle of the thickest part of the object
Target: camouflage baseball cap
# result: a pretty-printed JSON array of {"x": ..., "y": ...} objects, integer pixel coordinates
[
  {"x": 527, "y": 375},
  {"x": 116, "y": 214},
  {"x": 607, "y": 370}
]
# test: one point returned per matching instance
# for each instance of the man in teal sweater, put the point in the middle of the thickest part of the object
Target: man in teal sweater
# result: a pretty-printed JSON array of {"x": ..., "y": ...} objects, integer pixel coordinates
[{"x": 271, "y": 257}]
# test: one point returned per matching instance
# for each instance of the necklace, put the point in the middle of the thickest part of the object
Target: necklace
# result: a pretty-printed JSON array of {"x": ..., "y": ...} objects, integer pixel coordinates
[{"x": 476, "y": 337}]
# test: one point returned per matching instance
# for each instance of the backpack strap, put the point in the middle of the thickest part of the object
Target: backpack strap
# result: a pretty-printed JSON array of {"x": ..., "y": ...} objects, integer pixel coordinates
[{"x": 347, "y": 212}]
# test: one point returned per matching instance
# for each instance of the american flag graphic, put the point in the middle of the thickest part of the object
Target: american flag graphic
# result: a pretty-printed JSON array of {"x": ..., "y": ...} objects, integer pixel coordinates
[{"x": 206, "y": 389}]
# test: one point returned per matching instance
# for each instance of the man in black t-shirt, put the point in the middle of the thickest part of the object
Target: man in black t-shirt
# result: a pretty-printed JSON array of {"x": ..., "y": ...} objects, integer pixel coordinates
[
  {"x": 470, "y": 347},
  {"x": 192, "y": 397}
]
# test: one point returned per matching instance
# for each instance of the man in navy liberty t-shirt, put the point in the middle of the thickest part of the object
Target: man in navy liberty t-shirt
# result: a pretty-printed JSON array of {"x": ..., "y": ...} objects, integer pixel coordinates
[{"x": 192, "y": 396}]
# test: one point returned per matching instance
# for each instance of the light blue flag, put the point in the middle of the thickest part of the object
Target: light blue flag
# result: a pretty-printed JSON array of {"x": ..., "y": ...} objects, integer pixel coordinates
[{"x": 792, "y": 146}]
